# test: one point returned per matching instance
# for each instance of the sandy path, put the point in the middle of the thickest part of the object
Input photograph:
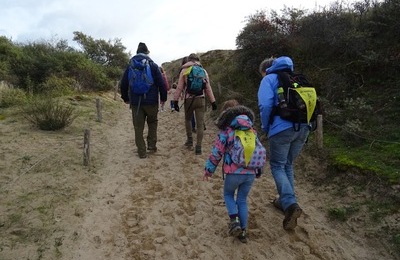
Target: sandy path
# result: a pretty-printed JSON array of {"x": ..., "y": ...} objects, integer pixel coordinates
[{"x": 158, "y": 208}]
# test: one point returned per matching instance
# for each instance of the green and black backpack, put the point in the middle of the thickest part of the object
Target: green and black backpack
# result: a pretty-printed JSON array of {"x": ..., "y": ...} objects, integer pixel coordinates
[{"x": 298, "y": 100}]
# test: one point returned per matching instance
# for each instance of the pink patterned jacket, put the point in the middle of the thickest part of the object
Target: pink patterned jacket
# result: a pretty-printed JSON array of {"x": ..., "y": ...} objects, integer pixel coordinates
[{"x": 238, "y": 117}]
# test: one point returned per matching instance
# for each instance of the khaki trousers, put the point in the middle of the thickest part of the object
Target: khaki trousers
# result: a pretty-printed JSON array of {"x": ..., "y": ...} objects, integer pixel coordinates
[{"x": 196, "y": 105}]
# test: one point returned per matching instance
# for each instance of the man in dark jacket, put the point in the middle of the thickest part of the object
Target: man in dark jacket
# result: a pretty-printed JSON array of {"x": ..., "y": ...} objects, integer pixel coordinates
[{"x": 145, "y": 107}]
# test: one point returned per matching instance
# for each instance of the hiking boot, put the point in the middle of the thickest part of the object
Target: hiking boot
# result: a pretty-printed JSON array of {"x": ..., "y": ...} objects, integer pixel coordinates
[
  {"x": 152, "y": 148},
  {"x": 292, "y": 213},
  {"x": 198, "y": 150},
  {"x": 277, "y": 204},
  {"x": 243, "y": 236},
  {"x": 234, "y": 227},
  {"x": 189, "y": 142}
]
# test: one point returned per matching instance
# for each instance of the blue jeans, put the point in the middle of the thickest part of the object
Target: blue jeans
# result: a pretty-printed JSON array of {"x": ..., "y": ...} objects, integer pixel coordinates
[
  {"x": 242, "y": 183},
  {"x": 284, "y": 148}
]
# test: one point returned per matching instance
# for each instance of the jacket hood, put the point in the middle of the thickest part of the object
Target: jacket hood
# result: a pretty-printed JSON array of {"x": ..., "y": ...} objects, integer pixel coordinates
[
  {"x": 238, "y": 117},
  {"x": 281, "y": 63}
]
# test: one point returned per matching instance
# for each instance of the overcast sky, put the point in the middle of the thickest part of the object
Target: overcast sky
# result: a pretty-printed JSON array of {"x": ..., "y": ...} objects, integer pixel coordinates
[{"x": 170, "y": 28}]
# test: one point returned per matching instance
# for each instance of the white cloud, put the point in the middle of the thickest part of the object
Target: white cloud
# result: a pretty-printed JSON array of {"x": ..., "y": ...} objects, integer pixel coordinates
[{"x": 171, "y": 29}]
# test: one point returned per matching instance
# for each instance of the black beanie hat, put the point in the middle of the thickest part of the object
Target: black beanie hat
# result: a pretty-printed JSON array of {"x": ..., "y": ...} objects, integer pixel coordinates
[{"x": 142, "y": 48}]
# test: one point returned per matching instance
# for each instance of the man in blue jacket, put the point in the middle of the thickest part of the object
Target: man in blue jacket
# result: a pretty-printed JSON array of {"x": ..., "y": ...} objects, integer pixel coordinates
[
  {"x": 145, "y": 107},
  {"x": 285, "y": 142}
]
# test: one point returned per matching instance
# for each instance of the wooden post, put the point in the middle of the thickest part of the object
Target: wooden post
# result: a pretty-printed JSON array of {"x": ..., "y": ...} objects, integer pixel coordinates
[
  {"x": 320, "y": 132},
  {"x": 98, "y": 107},
  {"x": 116, "y": 90},
  {"x": 86, "y": 148}
]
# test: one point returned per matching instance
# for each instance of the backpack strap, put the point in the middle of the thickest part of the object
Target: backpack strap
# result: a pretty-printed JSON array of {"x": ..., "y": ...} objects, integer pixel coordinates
[
  {"x": 187, "y": 72},
  {"x": 284, "y": 79},
  {"x": 284, "y": 82}
]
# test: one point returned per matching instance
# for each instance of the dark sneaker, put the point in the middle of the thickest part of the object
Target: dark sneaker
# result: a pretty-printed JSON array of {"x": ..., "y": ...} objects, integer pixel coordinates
[
  {"x": 152, "y": 148},
  {"x": 142, "y": 156},
  {"x": 198, "y": 150},
  {"x": 291, "y": 215},
  {"x": 234, "y": 227},
  {"x": 277, "y": 204},
  {"x": 189, "y": 142},
  {"x": 193, "y": 130},
  {"x": 243, "y": 236}
]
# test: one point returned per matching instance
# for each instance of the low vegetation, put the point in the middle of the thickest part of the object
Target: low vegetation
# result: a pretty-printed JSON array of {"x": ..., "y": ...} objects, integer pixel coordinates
[{"x": 48, "y": 113}]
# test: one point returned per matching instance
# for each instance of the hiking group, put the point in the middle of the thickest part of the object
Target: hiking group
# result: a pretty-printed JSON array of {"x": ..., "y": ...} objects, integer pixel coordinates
[{"x": 287, "y": 105}]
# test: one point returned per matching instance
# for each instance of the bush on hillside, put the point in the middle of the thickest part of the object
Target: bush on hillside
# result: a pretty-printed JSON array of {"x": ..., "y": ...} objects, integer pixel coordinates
[
  {"x": 11, "y": 97},
  {"x": 59, "y": 86},
  {"x": 49, "y": 114},
  {"x": 30, "y": 66}
]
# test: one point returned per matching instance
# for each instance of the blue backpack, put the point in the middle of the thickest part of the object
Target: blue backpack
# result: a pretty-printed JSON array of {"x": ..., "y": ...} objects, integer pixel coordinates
[
  {"x": 140, "y": 77},
  {"x": 196, "y": 80}
]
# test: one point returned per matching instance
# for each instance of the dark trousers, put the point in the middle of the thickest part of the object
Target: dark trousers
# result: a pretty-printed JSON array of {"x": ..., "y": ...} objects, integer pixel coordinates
[{"x": 149, "y": 114}]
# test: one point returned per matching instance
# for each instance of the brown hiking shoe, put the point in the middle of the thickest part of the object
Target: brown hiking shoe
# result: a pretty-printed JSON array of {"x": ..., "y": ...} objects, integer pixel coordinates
[{"x": 291, "y": 215}]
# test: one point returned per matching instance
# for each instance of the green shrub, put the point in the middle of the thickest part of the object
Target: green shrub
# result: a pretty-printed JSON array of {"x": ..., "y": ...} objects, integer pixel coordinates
[
  {"x": 59, "y": 86},
  {"x": 11, "y": 97},
  {"x": 341, "y": 214},
  {"x": 337, "y": 214},
  {"x": 49, "y": 114}
]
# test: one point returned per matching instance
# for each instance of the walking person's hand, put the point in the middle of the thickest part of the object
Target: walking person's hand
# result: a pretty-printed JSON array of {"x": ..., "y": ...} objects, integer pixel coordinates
[
  {"x": 258, "y": 173},
  {"x": 214, "y": 105},
  {"x": 176, "y": 106},
  {"x": 207, "y": 175}
]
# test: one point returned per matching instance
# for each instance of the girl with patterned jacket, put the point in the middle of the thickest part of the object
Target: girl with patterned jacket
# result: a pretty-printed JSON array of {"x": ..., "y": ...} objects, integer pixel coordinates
[{"x": 237, "y": 178}]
